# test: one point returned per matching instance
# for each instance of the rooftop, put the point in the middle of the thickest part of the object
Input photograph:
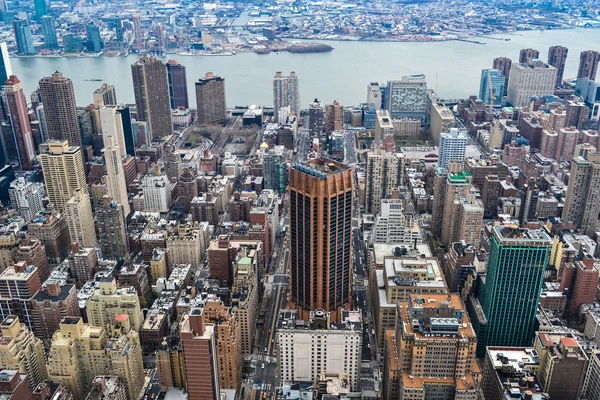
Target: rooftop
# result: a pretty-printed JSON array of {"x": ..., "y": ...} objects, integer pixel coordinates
[{"x": 321, "y": 167}]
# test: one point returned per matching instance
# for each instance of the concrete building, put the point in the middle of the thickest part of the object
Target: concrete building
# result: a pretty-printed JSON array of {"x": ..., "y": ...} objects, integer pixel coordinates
[
  {"x": 321, "y": 203},
  {"x": 588, "y": 64},
  {"x": 105, "y": 95},
  {"x": 503, "y": 64},
  {"x": 579, "y": 280},
  {"x": 557, "y": 57},
  {"x": 108, "y": 301},
  {"x": 244, "y": 294},
  {"x": 393, "y": 226},
  {"x": 62, "y": 166},
  {"x": 406, "y": 98},
  {"x": 316, "y": 118},
  {"x": 469, "y": 221},
  {"x": 334, "y": 117},
  {"x": 151, "y": 89},
  {"x": 107, "y": 387},
  {"x": 52, "y": 230},
  {"x": 591, "y": 385},
  {"x": 158, "y": 264},
  {"x": 534, "y": 78},
  {"x": 60, "y": 109},
  {"x": 115, "y": 174},
  {"x": 78, "y": 212},
  {"x": 453, "y": 146},
  {"x": 26, "y": 197},
  {"x": 156, "y": 188},
  {"x": 584, "y": 186},
  {"x": 21, "y": 351},
  {"x": 383, "y": 125},
  {"x": 178, "y": 92},
  {"x": 431, "y": 351},
  {"x": 210, "y": 100},
  {"x": 309, "y": 348},
  {"x": 31, "y": 251},
  {"x": 82, "y": 262},
  {"x": 441, "y": 121},
  {"x": 384, "y": 174},
  {"x": 526, "y": 55},
  {"x": 459, "y": 263},
  {"x": 111, "y": 221},
  {"x": 16, "y": 111},
  {"x": 18, "y": 285},
  {"x": 50, "y": 305},
  {"x": 286, "y": 93},
  {"x": 186, "y": 245}
]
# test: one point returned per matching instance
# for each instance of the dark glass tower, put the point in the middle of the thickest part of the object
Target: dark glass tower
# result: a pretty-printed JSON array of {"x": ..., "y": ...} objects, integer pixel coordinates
[{"x": 177, "y": 85}]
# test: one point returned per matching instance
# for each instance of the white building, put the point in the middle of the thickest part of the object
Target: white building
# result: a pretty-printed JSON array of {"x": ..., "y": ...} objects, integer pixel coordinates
[
  {"x": 286, "y": 92},
  {"x": 535, "y": 78},
  {"x": 384, "y": 127},
  {"x": 309, "y": 348},
  {"x": 384, "y": 173},
  {"x": 78, "y": 212},
  {"x": 453, "y": 146},
  {"x": 26, "y": 197},
  {"x": 112, "y": 126},
  {"x": 156, "y": 189},
  {"x": 393, "y": 226},
  {"x": 407, "y": 98},
  {"x": 115, "y": 175},
  {"x": 591, "y": 384},
  {"x": 373, "y": 96}
]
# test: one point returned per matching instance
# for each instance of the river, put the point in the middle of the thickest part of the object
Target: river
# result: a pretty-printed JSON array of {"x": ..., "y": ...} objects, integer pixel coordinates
[{"x": 342, "y": 74}]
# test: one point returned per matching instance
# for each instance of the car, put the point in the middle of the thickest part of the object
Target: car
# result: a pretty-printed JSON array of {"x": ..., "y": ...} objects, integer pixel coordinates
[
  {"x": 265, "y": 349},
  {"x": 263, "y": 365}
]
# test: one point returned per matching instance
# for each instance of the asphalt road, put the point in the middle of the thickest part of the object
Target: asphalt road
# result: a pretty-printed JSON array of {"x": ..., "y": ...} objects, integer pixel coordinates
[{"x": 350, "y": 150}]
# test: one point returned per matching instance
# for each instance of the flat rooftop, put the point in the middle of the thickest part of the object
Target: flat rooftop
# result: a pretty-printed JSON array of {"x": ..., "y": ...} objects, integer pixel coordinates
[
  {"x": 321, "y": 167},
  {"x": 513, "y": 235}
]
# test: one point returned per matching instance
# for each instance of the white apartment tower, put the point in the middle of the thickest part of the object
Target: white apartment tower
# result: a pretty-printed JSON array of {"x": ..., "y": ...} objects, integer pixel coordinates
[
  {"x": 26, "y": 197},
  {"x": 80, "y": 219},
  {"x": 385, "y": 172},
  {"x": 112, "y": 126},
  {"x": 115, "y": 175},
  {"x": 156, "y": 189},
  {"x": 453, "y": 146},
  {"x": 535, "y": 78},
  {"x": 286, "y": 92}
]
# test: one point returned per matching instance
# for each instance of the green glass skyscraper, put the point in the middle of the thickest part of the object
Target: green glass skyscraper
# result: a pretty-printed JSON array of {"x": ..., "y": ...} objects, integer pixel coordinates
[
  {"x": 41, "y": 8},
  {"x": 505, "y": 313}
]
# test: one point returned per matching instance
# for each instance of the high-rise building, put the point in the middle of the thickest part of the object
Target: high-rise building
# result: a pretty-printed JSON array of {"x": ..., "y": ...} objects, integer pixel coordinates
[
  {"x": 78, "y": 212},
  {"x": 186, "y": 245},
  {"x": 302, "y": 354},
  {"x": 94, "y": 41},
  {"x": 468, "y": 223},
  {"x": 385, "y": 172},
  {"x": 53, "y": 231},
  {"x": 49, "y": 32},
  {"x": 557, "y": 57},
  {"x": 62, "y": 166},
  {"x": 584, "y": 186},
  {"x": 105, "y": 94},
  {"x": 286, "y": 92},
  {"x": 333, "y": 117},
  {"x": 275, "y": 169},
  {"x": 108, "y": 301},
  {"x": 210, "y": 99},
  {"x": 245, "y": 292},
  {"x": 187, "y": 189},
  {"x": 18, "y": 284},
  {"x": 407, "y": 98},
  {"x": 32, "y": 252},
  {"x": 18, "y": 117},
  {"x": 453, "y": 146},
  {"x": 23, "y": 37},
  {"x": 50, "y": 305},
  {"x": 578, "y": 280},
  {"x": 588, "y": 64},
  {"x": 504, "y": 314},
  {"x": 491, "y": 87},
  {"x": 156, "y": 188},
  {"x": 526, "y": 55},
  {"x": 534, "y": 78},
  {"x": 21, "y": 351},
  {"x": 591, "y": 384},
  {"x": 40, "y": 8},
  {"x": 392, "y": 225},
  {"x": 316, "y": 114},
  {"x": 26, "y": 197},
  {"x": 110, "y": 217},
  {"x": 115, "y": 175},
  {"x": 5, "y": 66},
  {"x": 431, "y": 350},
  {"x": 321, "y": 205},
  {"x": 60, "y": 109},
  {"x": 510, "y": 372},
  {"x": 151, "y": 89},
  {"x": 178, "y": 92},
  {"x": 82, "y": 263},
  {"x": 503, "y": 64},
  {"x": 198, "y": 340}
]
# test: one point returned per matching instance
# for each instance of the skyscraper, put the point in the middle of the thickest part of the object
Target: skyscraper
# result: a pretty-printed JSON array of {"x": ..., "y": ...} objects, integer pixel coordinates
[
  {"x": 210, "y": 99},
  {"x": 151, "y": 88},
  {"x": 63, "y": 170},
  {"x": 588, "y": 64},
  {"x": 453, "y": 146},
  {"x": 94, "y": 41},
  {"x": 105, "y": 94},
  {"x": 581, "y": 205},
  {"x": 60, "y": 109},
  {"x": 334, "y": 114},
  {"x": 41, "y": 8},
  {"x": 5, "y": 67},
  {"x": 26, "y": 197},
  {"x": 385, "y": 172},
  {"x": 316, "y": 114},
  {"x": 491, "y": 87},
  {"x": 557, "y": 57},
  {"x": 275, "y": 170},
  {"x": 115, "y": 175},
  {"x": 49, "y": 32},
  {"x": 17, "y": 113},
  {"x": 407, "y": 98},
  {"x": 534, "y": 78},
  {"x": 23, "y": 37},
  {"x": 112, "y": 229},
  {"x": 525, "y": 55},
  {"x": 321, "y": 202},
  {"x": 178, "y": 92},
  {"x": 503, "y": 64},
  {"x": 78, "y": 212},
  {"x": 510, "y": 294},
  {"x": 112, "y": 127},
  {"x": 286, "y": 92}
]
